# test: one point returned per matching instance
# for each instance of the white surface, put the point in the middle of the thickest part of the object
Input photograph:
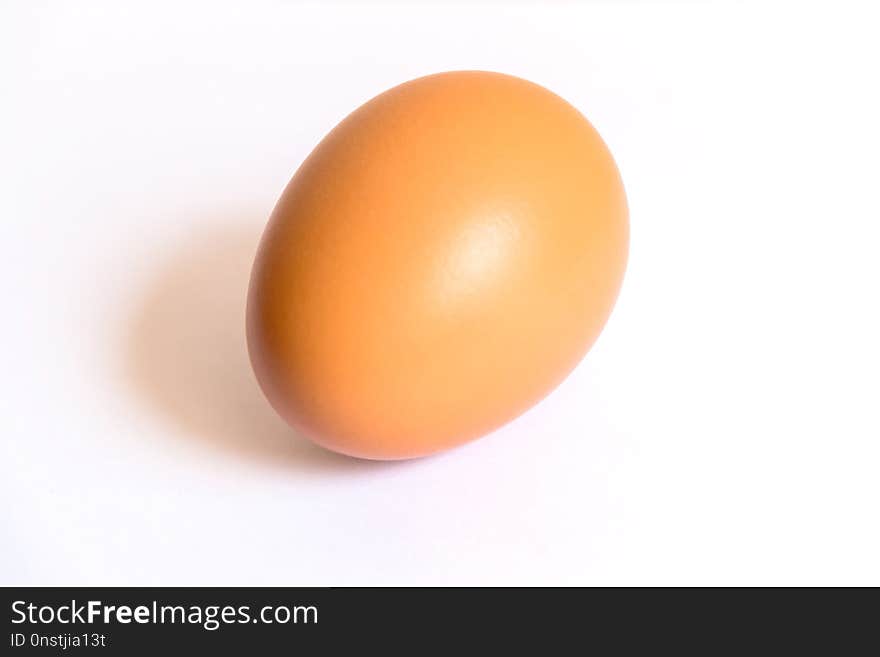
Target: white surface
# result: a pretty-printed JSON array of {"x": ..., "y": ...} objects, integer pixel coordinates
[{"x": 724, "y": 430}]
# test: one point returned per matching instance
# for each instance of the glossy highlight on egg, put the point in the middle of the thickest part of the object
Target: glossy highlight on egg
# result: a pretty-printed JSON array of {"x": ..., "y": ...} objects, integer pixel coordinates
[{"x": 442, "y": 259}]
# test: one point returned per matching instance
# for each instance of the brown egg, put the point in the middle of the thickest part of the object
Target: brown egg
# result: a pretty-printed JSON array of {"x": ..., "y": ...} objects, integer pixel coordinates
[{"x": 439, "y": 263}]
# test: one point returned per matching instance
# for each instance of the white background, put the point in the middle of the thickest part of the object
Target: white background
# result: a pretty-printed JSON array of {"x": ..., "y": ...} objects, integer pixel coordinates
[{"x": 724, "y": 430}]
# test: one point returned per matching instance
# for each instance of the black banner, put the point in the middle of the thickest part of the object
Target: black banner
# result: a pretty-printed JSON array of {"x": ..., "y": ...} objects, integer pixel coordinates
[{"x": 134, "y": 621}]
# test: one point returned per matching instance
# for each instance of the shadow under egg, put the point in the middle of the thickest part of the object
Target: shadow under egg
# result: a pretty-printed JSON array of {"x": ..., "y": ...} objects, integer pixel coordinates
[{"x": 187, "y": 354}]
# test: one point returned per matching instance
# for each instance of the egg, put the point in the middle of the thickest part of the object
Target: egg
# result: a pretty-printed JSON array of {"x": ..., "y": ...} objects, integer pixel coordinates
[{"x": 440, "y": 262}]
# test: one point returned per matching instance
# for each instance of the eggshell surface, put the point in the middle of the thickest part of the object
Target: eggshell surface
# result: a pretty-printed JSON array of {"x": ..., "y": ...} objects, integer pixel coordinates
[{"x": 440, "y": 262}]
